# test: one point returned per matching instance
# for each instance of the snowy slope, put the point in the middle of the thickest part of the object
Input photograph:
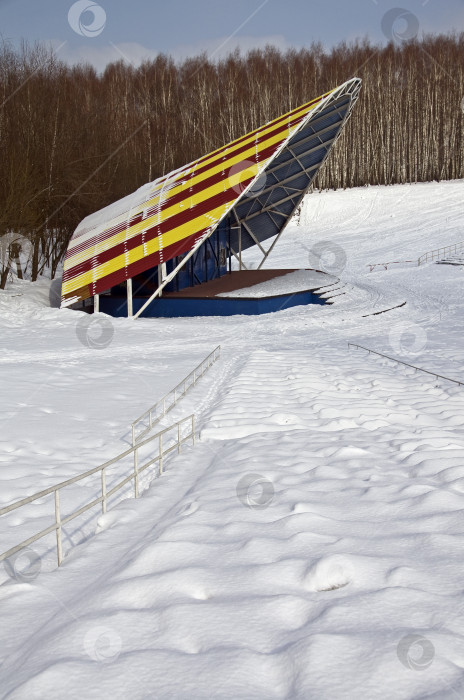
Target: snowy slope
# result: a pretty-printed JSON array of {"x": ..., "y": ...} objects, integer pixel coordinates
[{"x": 310, "y": 545}]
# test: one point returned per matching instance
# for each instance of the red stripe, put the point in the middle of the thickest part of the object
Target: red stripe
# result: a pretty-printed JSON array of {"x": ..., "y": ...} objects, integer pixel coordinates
[
  {"x": 136, "y": 268},
  {"x": 173, "y": 222},
  {"x": 185, "y": 194},
  {"x": 96, "y": 239},
  {"x": 218, "y": 151},
  {"x": 246, "y": 146},
  {"x": 167, "y": 225}
]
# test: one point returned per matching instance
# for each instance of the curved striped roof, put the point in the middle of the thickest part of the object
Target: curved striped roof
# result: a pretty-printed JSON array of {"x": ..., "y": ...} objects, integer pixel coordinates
[{"x": 175, "y": 213}]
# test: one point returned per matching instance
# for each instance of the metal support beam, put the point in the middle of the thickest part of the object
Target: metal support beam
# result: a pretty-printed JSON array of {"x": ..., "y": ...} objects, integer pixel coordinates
[
  {"x": 235, "y": 254},
  {"x": 169, "y": 277},
  {"x": 270, "y": 249},
  {"x": 240, "y": 247},
  {"x": 271, "y": 208},
  {"x": 253, "y": 236},
  {"x": 271, "y": 171},
  {"x": 301, "y": 172}
]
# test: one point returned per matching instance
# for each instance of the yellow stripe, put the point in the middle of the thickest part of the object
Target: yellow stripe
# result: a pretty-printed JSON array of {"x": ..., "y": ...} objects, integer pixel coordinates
[
  {"x": 169, "y": 212},
  {"x": 252, "y": 145},
  {"x": 199, "y": 178},
  {"x": 176, "y": 235},
  {"x": 136, "y": 229}
]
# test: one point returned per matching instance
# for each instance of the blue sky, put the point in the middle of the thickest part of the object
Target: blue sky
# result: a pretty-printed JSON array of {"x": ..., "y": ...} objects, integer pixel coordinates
[{"x": 104, "y": 30}]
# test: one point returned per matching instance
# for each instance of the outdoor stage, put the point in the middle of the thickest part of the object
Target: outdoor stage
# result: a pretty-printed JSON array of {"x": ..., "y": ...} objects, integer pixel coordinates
[
  {"x": 151, "y": 251},
  {"x": 246, "y": 292}
]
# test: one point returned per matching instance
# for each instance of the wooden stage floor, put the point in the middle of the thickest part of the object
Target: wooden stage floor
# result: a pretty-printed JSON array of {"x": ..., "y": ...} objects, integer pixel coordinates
[{"x": 237, "y": 279}]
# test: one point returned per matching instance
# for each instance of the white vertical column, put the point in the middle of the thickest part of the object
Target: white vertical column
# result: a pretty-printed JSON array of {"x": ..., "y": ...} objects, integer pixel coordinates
[
  {"x": 162, "y": 274},
  {"x": 129, "y": 298},
  {"x": 96, "y": 303}
]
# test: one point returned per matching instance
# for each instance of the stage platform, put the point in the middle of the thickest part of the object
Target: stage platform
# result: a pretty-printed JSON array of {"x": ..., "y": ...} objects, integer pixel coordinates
[{"x": 248, "y": 292}]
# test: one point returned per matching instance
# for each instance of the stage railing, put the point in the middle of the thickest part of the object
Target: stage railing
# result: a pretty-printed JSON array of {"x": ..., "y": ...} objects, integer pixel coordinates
[
  {"x": 177, "y": 439},
  {"x": 154, "y": 414}
]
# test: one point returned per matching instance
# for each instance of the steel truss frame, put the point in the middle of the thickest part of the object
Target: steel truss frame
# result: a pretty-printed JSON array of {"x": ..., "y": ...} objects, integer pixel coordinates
[{"x": 297, "y": 192}]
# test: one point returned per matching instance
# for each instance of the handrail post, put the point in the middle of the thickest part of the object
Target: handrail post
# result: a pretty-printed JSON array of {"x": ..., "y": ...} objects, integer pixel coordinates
[
  {"x": 57, "y": 526},
  {"x": 136, "y": 473},
  {"x": 103, "y": 483},
  {"x": 59, "y": 544}
]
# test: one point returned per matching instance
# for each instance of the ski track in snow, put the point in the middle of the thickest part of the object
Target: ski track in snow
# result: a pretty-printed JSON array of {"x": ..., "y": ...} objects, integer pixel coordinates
[{"x": 349, "y": 539}]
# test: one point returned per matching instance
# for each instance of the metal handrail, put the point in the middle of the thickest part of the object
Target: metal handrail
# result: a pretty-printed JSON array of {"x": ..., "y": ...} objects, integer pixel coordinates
[
  {"x": 385, "y": 265},
  {"x": 106, "y": 494},
  {"x": 434, "y": 374},
  {"x": 174, "y": 395},
  {"x": 440, "y": 251}
]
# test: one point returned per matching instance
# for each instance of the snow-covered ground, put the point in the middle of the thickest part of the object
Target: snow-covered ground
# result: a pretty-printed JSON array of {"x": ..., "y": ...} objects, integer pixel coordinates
[{"x": 310, "y": 544}]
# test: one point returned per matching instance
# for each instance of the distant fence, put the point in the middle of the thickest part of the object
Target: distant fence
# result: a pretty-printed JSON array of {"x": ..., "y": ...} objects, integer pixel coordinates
[
  {"x": 393, "y": 359},
  {"x": 385, "y": 265},
  {"x": 154, "y": 414},
  {"x": 439, "y": 253},
  {"x": 173, "y": 436}
]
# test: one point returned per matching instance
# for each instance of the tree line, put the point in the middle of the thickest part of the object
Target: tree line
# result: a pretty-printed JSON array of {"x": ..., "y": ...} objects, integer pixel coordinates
[{"x": 73, "y": 141}]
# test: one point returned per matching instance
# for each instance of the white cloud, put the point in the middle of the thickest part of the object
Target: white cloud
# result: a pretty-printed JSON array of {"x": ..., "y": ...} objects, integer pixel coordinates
[
  {"x": 132, "y": 52},
  {"x": 100, "y": 56},
  {"x": 223, "y": 46}
]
